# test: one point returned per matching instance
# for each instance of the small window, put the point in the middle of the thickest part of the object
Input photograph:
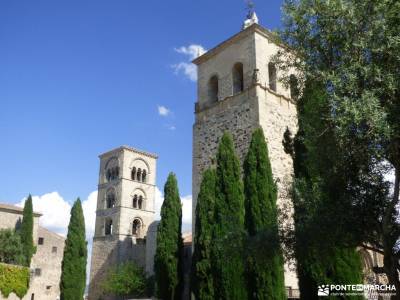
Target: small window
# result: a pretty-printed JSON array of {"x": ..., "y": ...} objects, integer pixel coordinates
[
  {"x": 140, "y": 202},
  {"x": 54, "y": 250},
  {"x": 213, "y": 89},
  {"x": 48, "y": 287},
  {"x": 133, "y": 173},
  {"x": 144, "y": 174},
  {"x": 38, "y": 272},
  {"x": 110, "y": 200},
  {"x": 272, "y": 76},
  {"x": 237, "y": 78},
  {"x": 136, "y": 227},
  {"x": 135, "y": 201},
  {"x": 108, "y": 227},
  {"x": 41, "y": 241}
]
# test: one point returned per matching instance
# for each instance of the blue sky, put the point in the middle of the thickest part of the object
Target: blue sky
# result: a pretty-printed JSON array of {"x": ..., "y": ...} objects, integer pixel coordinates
[{"x": 78, "y": 78}]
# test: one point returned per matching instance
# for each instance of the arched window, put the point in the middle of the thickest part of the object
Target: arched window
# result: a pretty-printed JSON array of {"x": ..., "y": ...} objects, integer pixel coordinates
[
  {"x": 112, "y": 173},
  {"x": 140, "y": 202},
  {"x": 144, "y": 173},
  {"x": 110, "y": 199},
  {"x": 133, "y": 173},
  {"x": 272, "y": 76},
  {"x": 108, "y": 230},
  {"x": 136, "y": 226},
  {"x": 111, "y": 169},
  {"x": 294, "y": 87},
  {"x": 237, "y": 76},
  {"x": 213, "y": 89},
  {"x": 139, "y": 170},
  {"x": 135, "y": 201}
]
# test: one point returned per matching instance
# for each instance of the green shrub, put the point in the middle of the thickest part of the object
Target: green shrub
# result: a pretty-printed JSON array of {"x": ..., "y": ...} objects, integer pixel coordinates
[
  {"x": 14, "y": 279},
  {"x": 11, "y": 251},
  {"x": 126, "y": 280}
]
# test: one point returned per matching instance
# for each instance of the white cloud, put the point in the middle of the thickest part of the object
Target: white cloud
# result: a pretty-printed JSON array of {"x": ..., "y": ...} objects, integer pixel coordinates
[
  {"x": 158, "y": 201},
  {"x": 89, "y": 210},
  {"x": 163, "y": 111},
  {"x": 54, "y": 209},
  {"x": 186, "y": 209},
  {"x": 186, "y": 67},
  {"x": 189, "y": 69},
  {"x": 55, "y": 212},
  {"x": 193, "y": 51}
]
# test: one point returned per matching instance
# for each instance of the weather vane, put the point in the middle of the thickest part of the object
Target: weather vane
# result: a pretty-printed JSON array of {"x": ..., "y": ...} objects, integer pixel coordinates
[{"x": 249, "y": 7}]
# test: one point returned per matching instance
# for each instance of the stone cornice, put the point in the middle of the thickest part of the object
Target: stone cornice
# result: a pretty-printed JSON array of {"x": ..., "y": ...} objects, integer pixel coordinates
[
  {"x": 110, "y": 211},
  {"x": 16, "y": 209},
  {"x": 264, "y": 87},
  {"x": 116, "y": 181},
  {"x": 124, "y": 147},
  {"x": 238, "y": 36}
]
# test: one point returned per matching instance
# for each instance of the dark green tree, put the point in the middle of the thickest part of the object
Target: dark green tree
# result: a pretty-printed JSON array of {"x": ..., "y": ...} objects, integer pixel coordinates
[
  {"x": 11, "y": 247},
  {"x": 202, "y": 281},
  {"x": 228, "y": 241},
  {"x": 320, "y": 196},
  {"x": 265, "y": 269},
  {"x": 126, "y": 280},
  {"x": 351, "y": 48},
  {"x": 168, "y": 257},
  {"x": 73, "y": 269},
  {"x": 26, "y": 232}
]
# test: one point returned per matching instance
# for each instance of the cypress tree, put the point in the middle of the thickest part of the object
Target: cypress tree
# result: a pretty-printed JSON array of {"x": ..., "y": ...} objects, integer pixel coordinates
[
  {"x": 168, "y": 257},
  {"x": 319, "y": 198},
  {"x": 265, "y": 270},
  {"x": 227, "y": 252},
  {"x": 73, "y": 269},
  {"x": 26, "y": 232},
  {"x": 202, "y": 282}
]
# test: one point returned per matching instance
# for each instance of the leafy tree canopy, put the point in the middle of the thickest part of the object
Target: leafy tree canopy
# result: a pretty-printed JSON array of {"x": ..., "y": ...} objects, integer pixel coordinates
[
  {"x": 125, "y": 280},
  {"x": 11, "y": 251}
]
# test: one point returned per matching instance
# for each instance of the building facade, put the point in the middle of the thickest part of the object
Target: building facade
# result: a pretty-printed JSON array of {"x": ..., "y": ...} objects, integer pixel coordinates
[
  {"x": 125, "y": 229},
  {"x": 238, "y": 91},
  {"x": 46, "y": 262}
]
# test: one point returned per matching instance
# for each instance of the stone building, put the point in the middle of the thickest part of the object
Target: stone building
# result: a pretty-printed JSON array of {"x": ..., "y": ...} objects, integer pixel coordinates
[
  {"x": 125, "y": 229},
  {"x": 46, "y": 262},
  {"x": 238, "y": 91}
]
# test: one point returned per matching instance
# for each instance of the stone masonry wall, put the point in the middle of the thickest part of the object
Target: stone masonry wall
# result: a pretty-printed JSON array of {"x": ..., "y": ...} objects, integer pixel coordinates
[
  {"x": 238, "y": 116},
  {"x": 122, "y": 245}
]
